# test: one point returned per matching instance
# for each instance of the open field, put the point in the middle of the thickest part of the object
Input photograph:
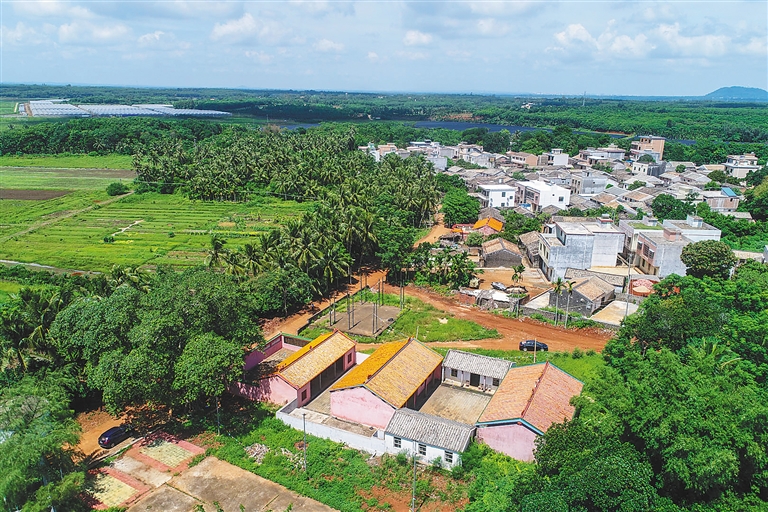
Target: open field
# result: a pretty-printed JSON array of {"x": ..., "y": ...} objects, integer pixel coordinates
[
  {"x": 112, "y": 161},
  {"x": 40, "y": 178},
  {"x": 148, "y": 229}
]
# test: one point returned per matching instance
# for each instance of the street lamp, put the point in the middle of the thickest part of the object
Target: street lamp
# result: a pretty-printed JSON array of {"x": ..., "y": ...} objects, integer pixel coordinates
[{"x": 304, "y": 417}]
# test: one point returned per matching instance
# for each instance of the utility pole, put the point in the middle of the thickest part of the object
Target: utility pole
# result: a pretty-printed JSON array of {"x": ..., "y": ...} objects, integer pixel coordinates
[
  {"x": 535, "y": 343},
  {"x": 413, "y": 489},
  {"x": 304, "y": 417}
]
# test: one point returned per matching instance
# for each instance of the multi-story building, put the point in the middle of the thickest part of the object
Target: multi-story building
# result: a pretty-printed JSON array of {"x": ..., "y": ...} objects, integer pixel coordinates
[
  {"x": 632, "y": 230},
  {"x": 658, "y": 253},
  {"x": 555, "y": 157},
  {"x": 521, "y": 159},
  {"x": 694, "y": 228},
  {"x": 648, "y": 168},
  {"x": 647, "y": 145},
  {"x": 588, "y": 182},
  {"x": 721, "y": 201},
  {"x": 580, "y": 245},
  {"x": 537, "y": 195},
  {"x": 739, "y": 166},
  {"x": 497, "y": 196}
]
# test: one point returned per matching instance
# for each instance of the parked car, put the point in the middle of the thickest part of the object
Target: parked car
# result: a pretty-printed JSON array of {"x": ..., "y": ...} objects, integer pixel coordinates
[
  {"x": 115, "y": 435},
  {"x": 529, "y": 345}
]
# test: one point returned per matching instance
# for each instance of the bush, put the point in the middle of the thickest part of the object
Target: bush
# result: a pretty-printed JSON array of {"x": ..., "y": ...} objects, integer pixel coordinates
[
  {"x": 591, "y": 353},
  {"x": 577, "y": 353},
  {"x": 116, "y": 189},
  {"x": 109, "y": 239},
  {"x": 474, "y": 240}
]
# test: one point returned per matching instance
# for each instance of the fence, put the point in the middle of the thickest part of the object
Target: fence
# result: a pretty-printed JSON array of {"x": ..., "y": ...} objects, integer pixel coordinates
[
  {"x": 634, "y": 299},
  {"x": 374, "y": 444}
]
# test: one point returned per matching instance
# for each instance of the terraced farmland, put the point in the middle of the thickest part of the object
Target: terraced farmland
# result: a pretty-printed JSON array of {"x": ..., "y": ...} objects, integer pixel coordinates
[{"x": 148, "y": 229}]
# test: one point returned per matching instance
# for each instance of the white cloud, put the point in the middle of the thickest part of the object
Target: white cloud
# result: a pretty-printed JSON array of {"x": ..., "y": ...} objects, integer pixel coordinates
[
  {"x": 235, "y": 29},
  {"x": 756, "y": 46},
  {"x": 259, "y": 56},
  {"x": 325, "y": 7},
  {"x": 492, "y": 27},
  {"x": 413, "y": 55},
  {"x": 709, "y": 45},
  {"x": 21, "y": 34},
  {"x": 373, "y": 56},
  {"x": 92, "y": 33},
  {"x": 153, "y": 38},
  {"x": 326, "y": 45},
  {"x": 416, "y": 38},
  {"x": 607, "y": 45},
  {"x": 575, "y": 33},
  {"x": 51, "y": 9}
]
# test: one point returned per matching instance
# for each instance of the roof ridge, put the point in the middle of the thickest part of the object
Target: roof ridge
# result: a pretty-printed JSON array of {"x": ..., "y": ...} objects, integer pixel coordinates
[
  {"x": 325, "y": 337},
  {"x": 535, "y": 388}
]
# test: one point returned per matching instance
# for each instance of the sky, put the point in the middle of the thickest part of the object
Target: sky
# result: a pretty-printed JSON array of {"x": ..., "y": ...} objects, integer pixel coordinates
[{"x": 644, "y": 48}]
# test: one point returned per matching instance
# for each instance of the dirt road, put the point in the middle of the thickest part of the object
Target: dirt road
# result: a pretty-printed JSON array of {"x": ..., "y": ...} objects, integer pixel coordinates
[
  {"x": 512, "y": 330},
  {"x": 438, "y": 229}
]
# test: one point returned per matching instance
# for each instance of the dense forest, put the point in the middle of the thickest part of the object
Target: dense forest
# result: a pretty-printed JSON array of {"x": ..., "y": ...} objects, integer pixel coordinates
[{"x": 681, "y": 119}]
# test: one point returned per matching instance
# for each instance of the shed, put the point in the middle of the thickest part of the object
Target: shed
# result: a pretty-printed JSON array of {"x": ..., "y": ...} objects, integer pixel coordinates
[
  {"x": 617, "y": 281},
  {"x": 428, "y": 437},
  {"x": 398, "y": 374},
  {"x": 488, "y": 226},
  {"x": 474, "y": 370},
  {"x": 500, "y": 253},
  {"x": 530, "y": 399},
  {"x": 589, "y": 295},
  {"x": 530, "y": 241}
]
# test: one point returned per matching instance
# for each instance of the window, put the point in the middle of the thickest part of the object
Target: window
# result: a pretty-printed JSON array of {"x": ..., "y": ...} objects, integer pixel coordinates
[
  {"x": 422, "y": 449},
  {"x": 303, "y": 395},
  {"x": 449, "y": 457},
  {"x": 560, "y": 199},
  {"x": 503, "y": 194},
  {"x": 496, "y": 382},
  {"x": 398, "y": 442},
  {"x": 349, "y": 357},
  {"x": 454, "y": 372}
]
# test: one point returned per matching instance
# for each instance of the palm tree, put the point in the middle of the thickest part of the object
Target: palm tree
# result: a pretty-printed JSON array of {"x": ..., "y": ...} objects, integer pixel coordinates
[
  {"x": 557, "y": 287},
  {"x": 517, "y": 273},
  {"x": 569, "y": 289},
  {"x": 215, "y": 251}
]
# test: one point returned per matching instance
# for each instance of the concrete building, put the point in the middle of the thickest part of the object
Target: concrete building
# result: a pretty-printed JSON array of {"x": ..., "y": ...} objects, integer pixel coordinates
[
  {"x": 555, "y": 157},
  {"x": 721, "y": 201},
  {"x": 474, "y": 371},
  {"x": 497, "y": 195},
  {"x": 632, "y": 229},
  {"x": 396, "y": 375},
  {"x": 588, "y": 182},
  {"x": 654, "y": 169},
  {"x": 739, "y": 166},
  {"x": 658, "y": 253},
  {"x": 530, "y": 399},
  {"x": 647, "y": 145},
  {"x": 694, "y": 228},
  {"x": 428, "y": 437},
  {"x": 521, "y": 159},
  {"x": 536, "y": 195},
  {"x": 286, "y": 375},
  {"x": 579, "y": 245},
  {"x": 500, "y": 253}
]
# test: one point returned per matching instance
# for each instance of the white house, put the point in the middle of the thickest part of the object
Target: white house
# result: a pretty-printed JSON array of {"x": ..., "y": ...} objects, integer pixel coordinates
[
  {"x": 497, "y": 196},
  {"x": 739, "y": 166},
  {"x": 538, "y": 195},
  {"x": 556, "y": 157},
  {"x": 428, "y": 437}
]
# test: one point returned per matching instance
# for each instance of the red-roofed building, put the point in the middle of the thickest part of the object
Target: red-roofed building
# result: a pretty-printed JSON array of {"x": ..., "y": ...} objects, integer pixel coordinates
[{"x": 529, "y": 400}]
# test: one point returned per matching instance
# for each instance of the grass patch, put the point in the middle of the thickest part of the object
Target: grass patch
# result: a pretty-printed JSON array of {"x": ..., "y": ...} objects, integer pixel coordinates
[
  {"x": 78, "y": 241},
  {"x": 40, "y": 178},
  {"x": 582, "y": 365},
  {"x": 432, "y": 324},
  {"x": 68, "y": 161}
]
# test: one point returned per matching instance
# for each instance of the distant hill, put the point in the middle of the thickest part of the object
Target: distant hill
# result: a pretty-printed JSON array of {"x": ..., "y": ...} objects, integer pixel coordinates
[{"x": 738, "y": 93}]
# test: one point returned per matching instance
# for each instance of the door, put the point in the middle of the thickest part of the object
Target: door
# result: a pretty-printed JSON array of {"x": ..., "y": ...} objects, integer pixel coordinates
[{"x": 474, "y": 379}]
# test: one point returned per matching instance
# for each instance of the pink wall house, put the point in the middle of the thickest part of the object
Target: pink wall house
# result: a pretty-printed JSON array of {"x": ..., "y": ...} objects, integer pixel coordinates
[
  {"x": 396, "y": 375},
  {"x": 529, "y": 400},
  {"x": 283, "y": 373}
]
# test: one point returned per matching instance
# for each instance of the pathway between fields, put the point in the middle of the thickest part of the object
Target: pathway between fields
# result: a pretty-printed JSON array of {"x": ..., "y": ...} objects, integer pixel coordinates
[{"x": 67, "y": 215}]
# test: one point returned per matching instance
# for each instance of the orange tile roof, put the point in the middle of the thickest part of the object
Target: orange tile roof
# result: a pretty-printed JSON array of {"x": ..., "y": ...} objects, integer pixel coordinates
[
  {"x": 490, "y": 222},
  {"x": 310, "y": 360},
  {"x": 394, "y": 372},
  {"x": 539, "y": 394}
]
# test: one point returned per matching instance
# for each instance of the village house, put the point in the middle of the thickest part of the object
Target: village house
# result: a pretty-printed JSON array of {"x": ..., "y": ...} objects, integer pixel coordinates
[
  {"x": 281, "y": 374},
  {"x": 632, "y": 229},
  {"x": 396, "y": 375},
  {"x": 537, "y": 195},
  {"x": 579, "y": 245},
  {"x": 523, "y": 160},
  {"x": 647, "y": 145},
  {"x": 530, "y": 241},
  {"x": 497, "y": 195},
  {"x": 588, "y": 182},
  {"x": 488, "y": 226},
  {"x": 474, "y": 371},
  {"x": 739, "y": 166},
  {"x": 554, "y": 157},
  {"x": 589, "y": 294},
  {"x": 694, "y": 228},
  {"x": 721, "y": 201},
  {"x": 658, "y": 253},
  {"x": 529, "y": 400},
  {"x": 617, "y": 281},
  {"x": 428, "y": 437},
  {"x": 500, "y": 253}
]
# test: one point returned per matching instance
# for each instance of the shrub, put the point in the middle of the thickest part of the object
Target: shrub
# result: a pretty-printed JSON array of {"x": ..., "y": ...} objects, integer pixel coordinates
[
  {"x": 577, "y": 353},
  {"x": 109, "y": 239},
  {"x": 116, "y": 188},
  {"x": 474, "y": 240},
  {"x": 171, "y": 234},
  {"x": 591, "y": 353}
]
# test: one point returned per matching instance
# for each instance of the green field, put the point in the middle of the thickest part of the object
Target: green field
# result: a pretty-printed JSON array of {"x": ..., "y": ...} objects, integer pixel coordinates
[
  {"x": 37, "y": 178},
  {"x": 112, "y": 161},
  {"x": 148, "y": 229}
]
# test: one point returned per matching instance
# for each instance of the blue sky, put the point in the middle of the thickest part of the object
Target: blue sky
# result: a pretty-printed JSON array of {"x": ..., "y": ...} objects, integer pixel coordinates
[{"x": 561, "y": 47}]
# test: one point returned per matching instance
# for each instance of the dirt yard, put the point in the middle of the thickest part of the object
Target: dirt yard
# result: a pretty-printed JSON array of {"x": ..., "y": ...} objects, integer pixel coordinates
[{"x": 31, "y": 195}]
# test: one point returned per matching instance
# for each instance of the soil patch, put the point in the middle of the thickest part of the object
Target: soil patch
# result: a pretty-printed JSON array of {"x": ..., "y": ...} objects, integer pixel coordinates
[{"x": 31, "y": 195}]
